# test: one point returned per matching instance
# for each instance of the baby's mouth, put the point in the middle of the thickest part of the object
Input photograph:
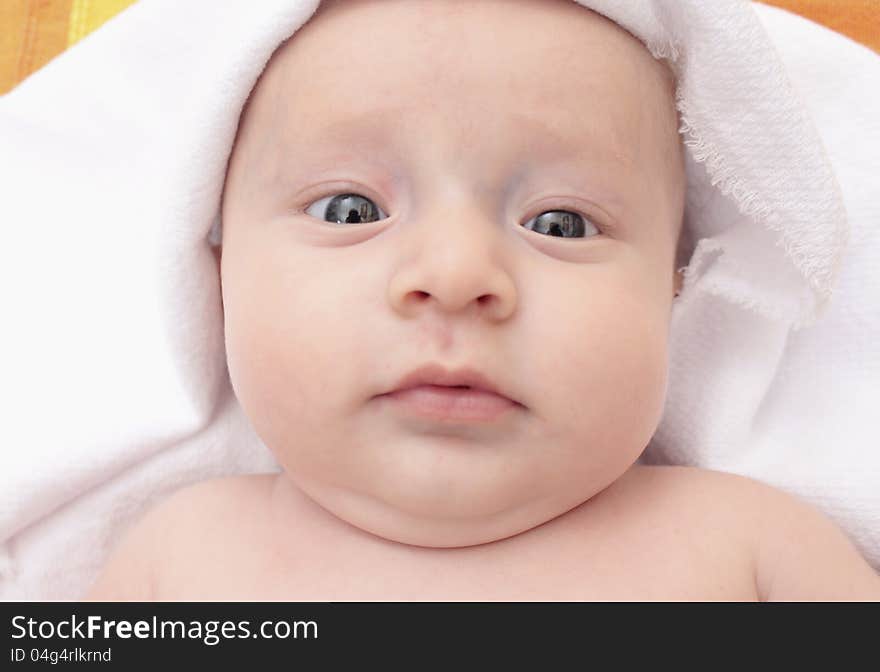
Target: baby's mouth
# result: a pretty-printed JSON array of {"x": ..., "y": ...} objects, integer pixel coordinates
[
  {"x": 451, "y": 403},
  {"x": 462, "y": 395}
]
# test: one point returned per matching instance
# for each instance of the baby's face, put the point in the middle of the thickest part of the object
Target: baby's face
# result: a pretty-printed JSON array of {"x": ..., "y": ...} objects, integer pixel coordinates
[{"x": 515, "y": 191}]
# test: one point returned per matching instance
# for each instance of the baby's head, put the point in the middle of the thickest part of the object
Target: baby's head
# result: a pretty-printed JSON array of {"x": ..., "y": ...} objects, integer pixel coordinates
[{"x": 494, "y": 185}]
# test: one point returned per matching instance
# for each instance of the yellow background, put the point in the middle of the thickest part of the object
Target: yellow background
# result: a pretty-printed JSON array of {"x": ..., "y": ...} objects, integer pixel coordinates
[{"x": 32, "y": 32}]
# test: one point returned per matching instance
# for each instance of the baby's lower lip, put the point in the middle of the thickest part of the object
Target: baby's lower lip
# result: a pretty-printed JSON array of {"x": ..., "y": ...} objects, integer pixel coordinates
[{"x": 451, "y": 404}]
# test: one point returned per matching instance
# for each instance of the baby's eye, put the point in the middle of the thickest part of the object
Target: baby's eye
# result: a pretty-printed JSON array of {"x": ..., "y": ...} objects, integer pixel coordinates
[
  {"x": 560, "y": 223},
  {"x": 346, "y": 209}
]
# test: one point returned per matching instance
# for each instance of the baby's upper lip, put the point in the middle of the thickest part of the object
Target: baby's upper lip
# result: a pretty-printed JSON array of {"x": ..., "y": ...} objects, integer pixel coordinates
[{"x": 437, "y": 374}]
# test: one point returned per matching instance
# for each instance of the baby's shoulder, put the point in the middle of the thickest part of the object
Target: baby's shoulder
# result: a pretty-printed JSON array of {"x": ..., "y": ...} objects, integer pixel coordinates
[
  {"x": 691, "y": 506},
  {"x": 216, "y": 498},
  {"x": 209, "y": 510},
  {"x": 194, "y": 521},
  {"x": 720, "y": 498},
  {"x": 796, "y": 551},
  {"x": 201, "y": 518},
  {"x": 723, "y": 512},
  {"x": 683, "y": 489}
]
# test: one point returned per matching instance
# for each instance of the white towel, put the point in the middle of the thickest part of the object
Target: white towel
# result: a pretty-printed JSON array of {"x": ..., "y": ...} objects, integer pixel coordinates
[
  {"x": 797, "y": 408},
  {"x": 112, "y": 160}
]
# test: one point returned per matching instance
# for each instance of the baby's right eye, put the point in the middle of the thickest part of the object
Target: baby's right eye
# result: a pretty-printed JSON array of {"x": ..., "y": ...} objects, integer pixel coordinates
[{"x": 346, "y": 209}]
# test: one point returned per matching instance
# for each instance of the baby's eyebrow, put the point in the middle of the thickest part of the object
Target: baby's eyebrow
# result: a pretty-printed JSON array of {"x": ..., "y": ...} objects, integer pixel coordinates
[
  {"x": 580, "y": 144},
  {"x": 371, "y": 127},
  {"x": 374, "y": 128}
]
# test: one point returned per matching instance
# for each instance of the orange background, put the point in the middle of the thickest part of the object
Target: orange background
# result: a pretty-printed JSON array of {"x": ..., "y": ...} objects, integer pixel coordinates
[{"x": 32, "y": 32}]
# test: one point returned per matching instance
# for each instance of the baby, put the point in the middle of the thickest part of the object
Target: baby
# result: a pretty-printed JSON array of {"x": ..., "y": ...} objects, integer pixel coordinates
[{"x": 448, "y": 266}]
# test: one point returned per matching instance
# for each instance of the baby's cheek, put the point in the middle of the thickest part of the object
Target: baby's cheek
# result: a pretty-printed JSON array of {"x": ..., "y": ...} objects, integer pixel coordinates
[
  {"x": 618, "y": 374},
  {"x": 270, "y": 360}
]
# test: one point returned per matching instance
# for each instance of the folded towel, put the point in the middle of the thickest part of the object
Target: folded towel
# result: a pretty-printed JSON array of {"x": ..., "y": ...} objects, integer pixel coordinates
[
  {"x": 112, "y": 166},
  {"x": 797, "y": 408}
]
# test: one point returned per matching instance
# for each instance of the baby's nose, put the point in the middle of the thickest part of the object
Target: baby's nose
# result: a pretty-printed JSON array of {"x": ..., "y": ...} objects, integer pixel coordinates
[{"x": 455, "y": 262}]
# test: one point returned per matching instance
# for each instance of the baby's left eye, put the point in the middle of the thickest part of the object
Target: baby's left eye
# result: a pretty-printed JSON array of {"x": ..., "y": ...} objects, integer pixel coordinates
[
  {"x": 560, "y": 223},
  {"x": 346, "y": 209}
]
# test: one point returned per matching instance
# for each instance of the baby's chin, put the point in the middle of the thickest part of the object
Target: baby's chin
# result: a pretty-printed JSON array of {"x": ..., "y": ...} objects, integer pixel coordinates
[{"x": 440, "y": 525}]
